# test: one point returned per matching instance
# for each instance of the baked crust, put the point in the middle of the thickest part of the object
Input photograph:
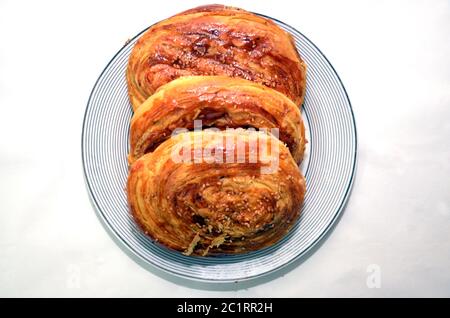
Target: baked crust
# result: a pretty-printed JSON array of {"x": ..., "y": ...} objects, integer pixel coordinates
[
  {"x": 214, "y": 208},
  {"x": 215, "y": 40},
  {"x": 218, "y": 101}
]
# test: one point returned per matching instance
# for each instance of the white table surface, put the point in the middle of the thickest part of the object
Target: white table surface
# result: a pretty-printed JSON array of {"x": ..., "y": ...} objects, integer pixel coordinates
[{"x": 394, "y": 60}]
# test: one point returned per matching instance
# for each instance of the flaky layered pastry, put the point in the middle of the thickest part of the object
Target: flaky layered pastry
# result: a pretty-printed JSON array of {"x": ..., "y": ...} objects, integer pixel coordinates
[
  {"x": 218, "y": 101},
  {"x": 206, "y": 207},
  {"x": 215, "y": 40}
]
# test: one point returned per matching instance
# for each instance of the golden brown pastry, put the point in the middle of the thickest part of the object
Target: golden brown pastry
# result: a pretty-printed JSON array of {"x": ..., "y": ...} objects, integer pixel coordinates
[
  {"x": 218, "y": 101},
  {"x": 208, "y": 207},
  {"x": 215, "y": 40}
]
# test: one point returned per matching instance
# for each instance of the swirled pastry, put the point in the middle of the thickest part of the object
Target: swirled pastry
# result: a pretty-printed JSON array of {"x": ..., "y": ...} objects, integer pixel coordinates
[
  {"x": 215, "y": 40},
  {"x": 201, "y": 206},
  {"x": 218, "y": 101}
]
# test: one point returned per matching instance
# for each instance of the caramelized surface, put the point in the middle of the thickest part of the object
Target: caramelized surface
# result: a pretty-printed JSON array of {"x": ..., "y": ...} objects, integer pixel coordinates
[
  {"x": 215, "y": 40},
  {"x": 218, "y": 101},
  {"x": 213, "y": 208}
]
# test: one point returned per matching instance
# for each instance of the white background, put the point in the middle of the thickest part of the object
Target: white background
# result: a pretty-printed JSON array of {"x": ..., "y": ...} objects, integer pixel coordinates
[{"x": 394, "y": 60}]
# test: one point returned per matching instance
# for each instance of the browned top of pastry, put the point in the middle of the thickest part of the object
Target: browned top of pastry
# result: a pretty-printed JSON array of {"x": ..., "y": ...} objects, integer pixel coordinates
[
  {"x": 206, "y": 207},
  {"x": 218, "y": 101},
  {"x": 215, "y": 40}
]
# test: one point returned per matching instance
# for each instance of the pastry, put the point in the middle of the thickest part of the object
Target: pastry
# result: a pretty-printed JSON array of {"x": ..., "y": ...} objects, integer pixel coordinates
[
  {"x": 215, "y": 40},
  {"x": 228, "y": 189},
  {"x": 205, "y": 207},
  {"x": 218, "y": 101}
]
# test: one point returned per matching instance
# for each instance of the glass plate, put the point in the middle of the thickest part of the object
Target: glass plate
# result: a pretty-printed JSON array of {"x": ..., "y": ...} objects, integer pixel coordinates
[{"x": 329, "y": 167}]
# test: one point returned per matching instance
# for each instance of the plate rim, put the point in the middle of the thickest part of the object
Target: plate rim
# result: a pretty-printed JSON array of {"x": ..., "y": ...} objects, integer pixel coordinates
[{"x": 325, "y": 231}]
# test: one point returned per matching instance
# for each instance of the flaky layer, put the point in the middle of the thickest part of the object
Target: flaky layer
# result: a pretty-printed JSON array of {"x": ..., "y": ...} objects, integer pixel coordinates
[
  {"x": 218, "y": 101},
  {"x": 209, "y": 207},
  {"x": 215, "y": 40}
]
